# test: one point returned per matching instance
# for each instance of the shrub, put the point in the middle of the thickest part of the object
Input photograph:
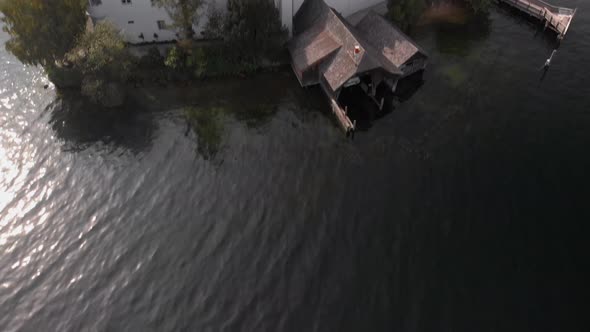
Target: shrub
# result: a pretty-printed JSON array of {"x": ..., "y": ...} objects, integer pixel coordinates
[
  {"x": 175, "y": 58},
  {"x": 254, "y": 30},
  {"x": 215, "y": 24},
  {"x": 64, "y": 77},
  {"x": 102, "y": 52},
  {"x": 405, "y": 13},
  {"x": 102, "y": 59},
  {"x": 252, "y": 34},
  {"x": 479, "y": 5},
  {"x": 153, "y": 59}
]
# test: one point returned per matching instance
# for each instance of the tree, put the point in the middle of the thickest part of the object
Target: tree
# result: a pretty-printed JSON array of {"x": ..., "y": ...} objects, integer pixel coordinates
[
  {"x": 101, "y": 51},
  {"x": 213, "y": 29},
  {"x": 253, "y": 29},
  {"x": 103, "y": 61},
  {"x": 479, "y": 5},
  {"x": 42, "y": 31},
  {"x": 184, "y": 13},
  {"x": 405, "y": 13}
]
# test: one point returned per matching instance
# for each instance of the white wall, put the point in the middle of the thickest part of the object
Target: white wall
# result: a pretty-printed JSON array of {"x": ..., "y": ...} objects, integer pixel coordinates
[
  {"x": 145, "y": 16},
  {"x": 145, "y": 19}
]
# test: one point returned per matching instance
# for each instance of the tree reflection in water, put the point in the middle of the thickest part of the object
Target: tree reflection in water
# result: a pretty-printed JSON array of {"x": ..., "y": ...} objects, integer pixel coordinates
[
  {"x": 80, "y": 124},
  {"x": 207, "y": 123}
]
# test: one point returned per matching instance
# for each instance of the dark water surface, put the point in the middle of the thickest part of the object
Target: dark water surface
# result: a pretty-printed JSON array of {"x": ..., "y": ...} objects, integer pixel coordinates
[{"x": 239, "y": 206}]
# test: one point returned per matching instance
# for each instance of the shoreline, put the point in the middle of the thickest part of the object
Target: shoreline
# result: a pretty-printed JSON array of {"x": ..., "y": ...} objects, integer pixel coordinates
[{"x": 444, "y": 13}]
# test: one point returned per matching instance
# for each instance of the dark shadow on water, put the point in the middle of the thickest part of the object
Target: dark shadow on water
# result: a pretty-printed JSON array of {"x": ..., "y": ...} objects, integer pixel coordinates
[
  {"x": 364, "y": 111},
  {"x": 532, "y": 23},
  {"x": 81, "y": 124},
  {"x": 209, "y": 121},
  {"x": 210, "y": 107},
  {"x": 459, "y": 39},
  {"x": 359, "y": 107},
  {"x": 408, "y": 86},
  {"x": 544, "y": 71}
]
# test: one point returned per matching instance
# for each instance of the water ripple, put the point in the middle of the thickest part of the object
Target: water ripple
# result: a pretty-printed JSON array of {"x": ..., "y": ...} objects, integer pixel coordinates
[{"x": 116, "y": 221}]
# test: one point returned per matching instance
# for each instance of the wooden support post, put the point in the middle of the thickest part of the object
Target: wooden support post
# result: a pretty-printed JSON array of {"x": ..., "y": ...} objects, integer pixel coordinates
[{"x": 394, "y": 87}]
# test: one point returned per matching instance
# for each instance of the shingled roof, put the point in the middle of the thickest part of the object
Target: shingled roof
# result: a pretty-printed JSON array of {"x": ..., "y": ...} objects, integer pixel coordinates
[
  {"x": 388, "y": 39},
  {"x": 310, "y": 13},
  {"x": 312, "y": 46},
  {"x": 325, "y": 40}
]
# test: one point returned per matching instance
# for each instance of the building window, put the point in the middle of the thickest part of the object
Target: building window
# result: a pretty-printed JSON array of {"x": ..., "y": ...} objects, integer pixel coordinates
[
  {"x": 161, "y": 25},
  {"x": 130, "y": 22},
  {"x": 126, "y": 2}
]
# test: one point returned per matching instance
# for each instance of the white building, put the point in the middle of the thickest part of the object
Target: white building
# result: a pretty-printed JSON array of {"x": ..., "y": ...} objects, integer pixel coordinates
[{"x": 141, "y": 21}]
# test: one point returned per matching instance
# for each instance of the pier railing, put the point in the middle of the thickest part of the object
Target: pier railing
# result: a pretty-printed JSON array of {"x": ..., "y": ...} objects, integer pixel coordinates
[{"x": 557, "y": 18}]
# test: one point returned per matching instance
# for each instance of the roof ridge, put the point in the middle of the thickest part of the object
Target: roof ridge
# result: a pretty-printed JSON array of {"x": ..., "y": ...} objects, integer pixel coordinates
[
  {"x": 393, "y": 26},
  {"x": 347, "y": 30},
  {"x": 369, "y": 50}
]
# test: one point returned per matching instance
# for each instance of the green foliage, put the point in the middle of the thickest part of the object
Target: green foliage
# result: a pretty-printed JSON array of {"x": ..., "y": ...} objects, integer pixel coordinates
[
  {"x": 204, "y": 61},
  {"x": 479, "y": 5},
  {"x": 102, "y": 52},
  {"x": 184, "y": 13},
  {"x": 253, "y": 29},
  {"x": 64, "y": 77},
  {"x": 207, "y": 124},
  {"x": 214, "y": 28},
  {"x": 153, "y": 59},
  {"x": 103, "y": 61},
  {"x": 405, "y": 13},
  {"x": 198, "y": 61},
  {"x": 94, "y": 88},
  {"x": 42, "y": 31},
  {"x": 252, "y": 34},
  {"x": 175, "y": 58}
]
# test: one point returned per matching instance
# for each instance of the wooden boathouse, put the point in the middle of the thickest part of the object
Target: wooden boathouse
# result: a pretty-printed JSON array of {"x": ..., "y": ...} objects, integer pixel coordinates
[
  {"x": 556, "y": 18},
  {"x": 330, "y": 51}
]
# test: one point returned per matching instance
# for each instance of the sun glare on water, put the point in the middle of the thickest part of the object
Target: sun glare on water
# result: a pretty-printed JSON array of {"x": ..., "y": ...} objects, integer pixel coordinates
[{"x": 14, "y": 167}]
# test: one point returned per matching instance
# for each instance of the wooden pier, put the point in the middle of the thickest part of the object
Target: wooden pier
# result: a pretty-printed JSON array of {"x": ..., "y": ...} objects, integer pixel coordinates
[{"x": 556, "y": 18}]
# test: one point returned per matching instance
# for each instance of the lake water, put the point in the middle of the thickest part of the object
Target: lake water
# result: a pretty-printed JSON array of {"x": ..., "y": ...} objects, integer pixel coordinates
[{"x": 239, "y": 205}]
